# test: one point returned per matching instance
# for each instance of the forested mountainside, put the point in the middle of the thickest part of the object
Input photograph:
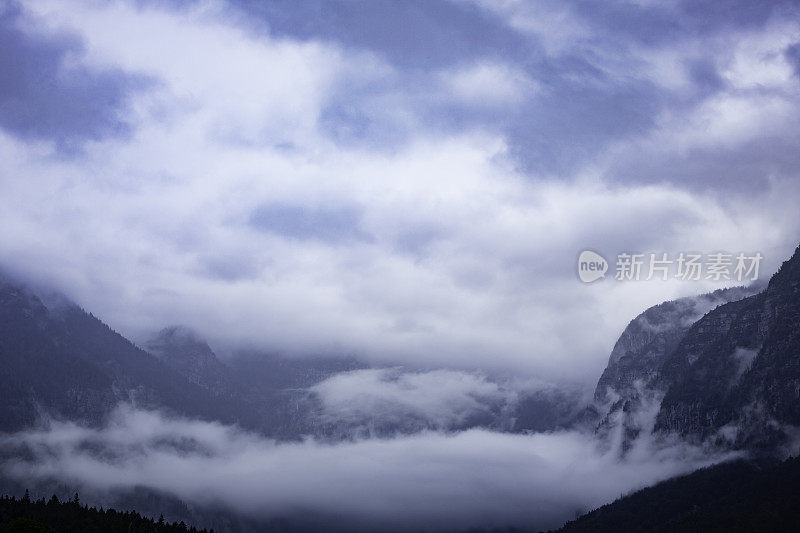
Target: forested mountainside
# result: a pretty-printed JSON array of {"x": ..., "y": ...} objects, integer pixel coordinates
[
  {"x": 626, "y": 386},
  {"x": 736, "y": 497},
  {"x": 24, "y": 515}
]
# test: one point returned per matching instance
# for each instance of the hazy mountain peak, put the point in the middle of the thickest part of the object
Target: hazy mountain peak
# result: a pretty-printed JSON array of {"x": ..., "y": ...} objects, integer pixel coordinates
[
  {"x": 186, "y": 351},
  {"x": 180, "y": 342},
  {"x": 649, "y": 338},
  {"x": 788, "y": 273}
]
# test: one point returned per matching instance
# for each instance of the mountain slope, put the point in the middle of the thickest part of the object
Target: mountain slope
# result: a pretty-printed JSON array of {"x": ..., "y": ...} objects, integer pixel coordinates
[
  {"x": 38, "y": 373},
  {"x": 626, "y": 387},
  {"x": 733, "y": 497},
  {"x": 652, "y": 336},
  {"x": 26, "y": 516},
  {"x": 188, "y": 354},
  {"x": 65, "y": 362},
  {"x": 738, "y": 368}
]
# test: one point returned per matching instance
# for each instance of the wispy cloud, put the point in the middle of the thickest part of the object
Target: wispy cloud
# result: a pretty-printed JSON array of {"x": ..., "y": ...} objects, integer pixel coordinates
[
  {"x": 434, "y": 481},
  {"x": 391, "y": 398},
  {"x": 314, "y": 186}
]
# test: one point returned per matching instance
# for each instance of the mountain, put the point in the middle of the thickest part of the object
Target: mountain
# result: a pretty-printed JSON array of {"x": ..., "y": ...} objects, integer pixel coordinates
[
  {"x": 625, "y": 387},
  {"x": 271, "y": 391},
  {"x": 721, "y": 368},
  {"x": 187, "y": 353},
  {"x": 741, "y": 496},
  {"x": 736, "y": 373},
  {"x": 261, "y": 369},
  {"x": 58, "y": 360},
  {"x": 651, "y": 337},
  {"x": 39, "y": 372}
]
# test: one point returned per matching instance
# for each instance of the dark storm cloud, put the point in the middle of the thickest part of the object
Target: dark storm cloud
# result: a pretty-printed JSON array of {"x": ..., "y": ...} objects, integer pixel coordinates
[
  {"x": 571, "y": 123},
  {"x": 654, "y": 23},
  {"x": 584, "y": 108},
  {"x": 705, "y": 75},
  {"x": 46, "y": 94}
]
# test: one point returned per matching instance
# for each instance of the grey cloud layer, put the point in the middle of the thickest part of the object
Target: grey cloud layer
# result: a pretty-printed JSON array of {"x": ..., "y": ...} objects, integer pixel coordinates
[
  {"x": 439, "y": 399},
  {"x": 470, "y": 479},
  {"x": 302, "y": 185},
  {"x": 47, "y": 93},
  {"x": 592, "y": 91}
]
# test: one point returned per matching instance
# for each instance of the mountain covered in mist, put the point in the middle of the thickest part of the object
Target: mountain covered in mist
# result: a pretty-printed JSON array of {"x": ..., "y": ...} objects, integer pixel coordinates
[
  {"x": 722, "y": 365},
  {"x": 722, "y": 368},
  {"x": 736, "y": 373},
  {"x": 625, "y": 387},
  {"x": 62, "y": 362},
  {"x": 59, "y": 360}
]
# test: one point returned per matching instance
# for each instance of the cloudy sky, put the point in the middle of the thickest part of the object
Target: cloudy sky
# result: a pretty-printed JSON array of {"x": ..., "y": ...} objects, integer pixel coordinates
[{"x": 410, "y": 182}]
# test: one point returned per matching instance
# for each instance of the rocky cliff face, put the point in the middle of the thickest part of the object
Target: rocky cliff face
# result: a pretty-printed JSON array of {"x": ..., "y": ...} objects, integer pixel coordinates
[
  {"x": 736, "y": 373},
  {"x": 58, "y": 360},
  {"x": 185, "y": 351},
  {"x": 627, "y": 386},
  {"x": 722, "y": 367},
  {"x": 651, "y": 337}
]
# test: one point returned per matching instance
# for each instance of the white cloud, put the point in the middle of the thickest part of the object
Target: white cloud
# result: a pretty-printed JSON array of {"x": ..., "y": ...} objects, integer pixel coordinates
[
  {"x": 470, "y": 479},
  {"x": 757, "y": 60},
  {"x": 438, "y": 399},
  {"x": 464, "y": 260},
  {"x": 487, "y": 83},
  {"x": 554, "y": 25}
]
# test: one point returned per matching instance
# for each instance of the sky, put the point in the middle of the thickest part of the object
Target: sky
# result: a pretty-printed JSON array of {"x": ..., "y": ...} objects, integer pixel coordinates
[{"x": 409, "y": 182}]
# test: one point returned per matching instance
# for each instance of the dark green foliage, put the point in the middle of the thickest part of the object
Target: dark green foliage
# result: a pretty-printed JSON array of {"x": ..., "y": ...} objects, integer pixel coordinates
[
  {"x": 26, "y": 516},
  {"x": 733, "y": 497}
]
